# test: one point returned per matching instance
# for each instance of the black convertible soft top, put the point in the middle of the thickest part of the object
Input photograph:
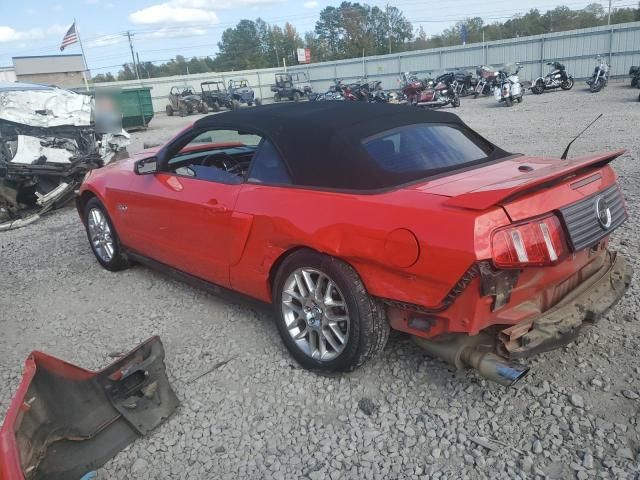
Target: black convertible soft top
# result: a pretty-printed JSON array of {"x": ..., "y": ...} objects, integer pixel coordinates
[{"x": 321, "y": 142}]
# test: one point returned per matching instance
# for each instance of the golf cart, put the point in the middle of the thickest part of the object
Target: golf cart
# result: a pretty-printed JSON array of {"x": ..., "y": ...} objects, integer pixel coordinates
[
  {"x": 293, "y": 86},
  {"x": 241, "y": 91},
  {"x": 185, "y": 101},
  {"x": 215, "y": 95}
]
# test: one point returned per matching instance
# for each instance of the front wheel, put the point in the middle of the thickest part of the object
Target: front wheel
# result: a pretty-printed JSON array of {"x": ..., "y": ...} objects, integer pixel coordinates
[
  {"x": 235, "y": 104},
  {"x": 508, "y": 102},
  {"x": 103, "y": 237},
  {"x": 597, "y": 85},
  {"x": 276, "y": 97},
  {"x": 258, "y": 102},
  {"x": 455, "y": 102},
  {"x": 538, "y": 88},
  {"x": 567, "y": 84},
  {"x": 296, "y": 96},
  {"x": 324, "y": 314},
  {"x": 169, "y": 110},
  {"x": 519, "y": 99}
]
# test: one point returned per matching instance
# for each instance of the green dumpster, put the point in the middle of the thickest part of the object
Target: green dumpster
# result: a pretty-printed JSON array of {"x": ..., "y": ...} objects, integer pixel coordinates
[{"x": 135, "y": 105}]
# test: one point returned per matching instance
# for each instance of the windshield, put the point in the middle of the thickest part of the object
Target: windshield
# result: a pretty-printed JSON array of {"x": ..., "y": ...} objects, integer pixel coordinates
[{"x": 425, "y": 148}]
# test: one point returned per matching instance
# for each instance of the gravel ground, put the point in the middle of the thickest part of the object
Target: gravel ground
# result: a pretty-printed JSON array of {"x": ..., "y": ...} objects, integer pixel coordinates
[{"x": 404, "y": 415}]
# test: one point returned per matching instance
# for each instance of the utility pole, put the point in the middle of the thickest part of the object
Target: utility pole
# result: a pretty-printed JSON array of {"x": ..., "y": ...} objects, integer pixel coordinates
[
  {"x": 133, "y": 57},
  {"x": 609, "y": 17},
  {"x": 389, "y": 27}
]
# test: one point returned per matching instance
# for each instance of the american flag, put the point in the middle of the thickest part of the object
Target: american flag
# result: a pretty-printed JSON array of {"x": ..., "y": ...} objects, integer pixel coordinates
[{"x": 70, "y": 38}]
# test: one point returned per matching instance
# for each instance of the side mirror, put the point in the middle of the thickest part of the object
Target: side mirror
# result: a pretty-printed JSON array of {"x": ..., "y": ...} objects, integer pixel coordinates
[{"x": 146, "y": 166}]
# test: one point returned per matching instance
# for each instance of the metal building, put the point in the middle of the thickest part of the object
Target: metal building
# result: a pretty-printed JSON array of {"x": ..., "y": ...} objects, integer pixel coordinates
[
  {"x": 59, "y": 70},
  {"x": 7, "y": 74}
]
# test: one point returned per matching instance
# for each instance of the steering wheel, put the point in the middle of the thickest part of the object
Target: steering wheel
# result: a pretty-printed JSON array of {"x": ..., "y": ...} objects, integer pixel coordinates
[{"x": 224, "y": 161}]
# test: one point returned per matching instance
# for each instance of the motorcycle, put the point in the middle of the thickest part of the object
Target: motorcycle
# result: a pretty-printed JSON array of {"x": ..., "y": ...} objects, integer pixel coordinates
[
  {"x": 332, "y": 94},
  {"x": 508, "y": 86},
  {"x": 600, "y": 76},
  {"x": 634, "y": 73},
  {"x": 444, "y": 92},
  {"x": 464, "y": 78},
  {"x": 557, "y": 78},
  {"x": 486, "y": 81}
]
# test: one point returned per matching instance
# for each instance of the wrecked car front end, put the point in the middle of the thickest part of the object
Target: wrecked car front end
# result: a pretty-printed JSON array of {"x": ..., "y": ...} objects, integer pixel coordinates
[
  {"x": 48, "y": 142},
  {"x": 65, "y": 421}
]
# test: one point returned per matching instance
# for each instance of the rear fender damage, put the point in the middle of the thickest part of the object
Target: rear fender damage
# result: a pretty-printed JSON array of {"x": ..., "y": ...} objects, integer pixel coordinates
[{"x": 65, "y": 421}]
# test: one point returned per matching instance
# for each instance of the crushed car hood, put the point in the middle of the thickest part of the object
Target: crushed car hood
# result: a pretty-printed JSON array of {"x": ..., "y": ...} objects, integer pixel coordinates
[
  {"x": 497, "y": 183},
  {"x": 44, "y": 107},
  {"x": 65, "y": 421}
]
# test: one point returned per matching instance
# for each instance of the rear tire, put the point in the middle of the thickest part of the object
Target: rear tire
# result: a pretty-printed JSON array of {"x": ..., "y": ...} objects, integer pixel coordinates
[
  {"x": 276, "y": 97},
  {"x": 118, "y": 261},
  {"x": 519, "y": 99},
  {"x": 203, "y": 108},
  {"x": 258, "y": 102},
  {"x": 215, "y": 107},
  {"x": 364, "y": 332},
  {"x": 169, "y": 110},
  {"x": 235, "y": 105},
  {"x": 183, "y": 110},
  {"x": 296, "y": 96}
]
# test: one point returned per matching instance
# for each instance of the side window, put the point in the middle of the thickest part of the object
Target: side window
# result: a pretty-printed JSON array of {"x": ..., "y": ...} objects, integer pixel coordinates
[
  {"x": 216, "y": 155},
  {"x": 267, "y": 166}
]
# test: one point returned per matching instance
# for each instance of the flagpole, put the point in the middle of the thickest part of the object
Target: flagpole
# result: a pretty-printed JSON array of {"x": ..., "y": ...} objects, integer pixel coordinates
[{"x": 84, "y": 57}]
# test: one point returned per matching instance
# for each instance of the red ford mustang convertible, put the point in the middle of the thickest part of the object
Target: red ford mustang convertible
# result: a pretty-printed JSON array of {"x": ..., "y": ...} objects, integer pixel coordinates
[{"x": 354, "y": 218}]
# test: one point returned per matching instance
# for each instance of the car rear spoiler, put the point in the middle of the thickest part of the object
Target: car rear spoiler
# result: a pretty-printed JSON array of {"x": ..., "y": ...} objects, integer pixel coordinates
[
  {"x": 65, "y": 421},
  {"x": 491, "y": 195}
]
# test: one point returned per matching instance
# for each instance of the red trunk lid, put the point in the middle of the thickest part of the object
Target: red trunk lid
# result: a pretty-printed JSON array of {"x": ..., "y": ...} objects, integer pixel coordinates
[{"x": 525, "y": 186}]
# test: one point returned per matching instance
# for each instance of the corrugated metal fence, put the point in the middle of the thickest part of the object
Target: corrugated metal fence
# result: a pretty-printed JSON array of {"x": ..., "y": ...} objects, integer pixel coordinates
[{"x": 620, "y": 44}]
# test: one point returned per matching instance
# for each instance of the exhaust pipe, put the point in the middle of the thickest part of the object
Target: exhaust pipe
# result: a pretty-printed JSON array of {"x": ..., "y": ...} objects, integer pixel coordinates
[{"x": 462, "y": 351}]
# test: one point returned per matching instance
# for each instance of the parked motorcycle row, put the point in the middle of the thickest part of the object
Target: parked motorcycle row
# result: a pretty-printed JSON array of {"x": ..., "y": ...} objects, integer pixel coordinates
[{"x": 447, "y": 89}]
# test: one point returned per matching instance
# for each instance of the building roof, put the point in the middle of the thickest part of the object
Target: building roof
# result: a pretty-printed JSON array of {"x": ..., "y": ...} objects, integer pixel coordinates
[
  {"x": 322, "y": 142},
  {"x": 40, "y": 64}
]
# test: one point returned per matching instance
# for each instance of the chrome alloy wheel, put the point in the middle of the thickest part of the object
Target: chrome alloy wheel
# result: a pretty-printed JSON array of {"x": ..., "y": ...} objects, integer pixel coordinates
[
  {"x": 315, "y": 314},
  {"x": 100, "y": 234}
]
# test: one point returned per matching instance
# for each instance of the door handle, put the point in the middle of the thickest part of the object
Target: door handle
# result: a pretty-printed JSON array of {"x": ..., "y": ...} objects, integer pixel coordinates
[{"x": 217, "y": 207}]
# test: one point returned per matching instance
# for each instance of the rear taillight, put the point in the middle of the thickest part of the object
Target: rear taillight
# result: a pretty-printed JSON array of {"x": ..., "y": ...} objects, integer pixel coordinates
[{"x": 537, "y": 242}]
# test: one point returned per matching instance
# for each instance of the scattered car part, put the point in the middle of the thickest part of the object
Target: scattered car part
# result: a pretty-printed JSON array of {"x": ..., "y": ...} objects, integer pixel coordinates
[{"x": 65, "y": 421}]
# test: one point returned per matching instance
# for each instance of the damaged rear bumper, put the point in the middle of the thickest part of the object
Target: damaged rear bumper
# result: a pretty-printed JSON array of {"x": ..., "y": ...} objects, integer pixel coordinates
[
  {"x": 559, "y": 325},
  {"x": 65, "y": 421}
]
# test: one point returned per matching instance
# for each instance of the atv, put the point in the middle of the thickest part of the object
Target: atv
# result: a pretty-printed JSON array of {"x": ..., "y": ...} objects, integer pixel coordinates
[
  {"x": 185, "y": 101},
  {"x": 215, "y": 95},
  {"x": 293, "y": 86},
  {"x": 241, "y": 91}
]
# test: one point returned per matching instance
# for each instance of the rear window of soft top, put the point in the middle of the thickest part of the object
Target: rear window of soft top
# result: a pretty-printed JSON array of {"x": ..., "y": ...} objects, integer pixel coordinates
[{"x": 426, "y": 147}]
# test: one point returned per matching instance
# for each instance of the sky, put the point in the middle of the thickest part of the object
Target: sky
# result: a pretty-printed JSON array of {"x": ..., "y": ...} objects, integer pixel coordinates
[{"x": 162, "y": 29}]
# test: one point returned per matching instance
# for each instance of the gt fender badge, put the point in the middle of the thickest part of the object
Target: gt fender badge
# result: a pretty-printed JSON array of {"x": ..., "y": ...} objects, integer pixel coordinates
[{"x": 122, "y": 207}]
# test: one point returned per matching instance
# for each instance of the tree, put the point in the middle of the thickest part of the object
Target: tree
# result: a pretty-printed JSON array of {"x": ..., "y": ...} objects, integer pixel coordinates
[
  {"x": 348, "y": 30},
  {"x": 239, "y": 48}
]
